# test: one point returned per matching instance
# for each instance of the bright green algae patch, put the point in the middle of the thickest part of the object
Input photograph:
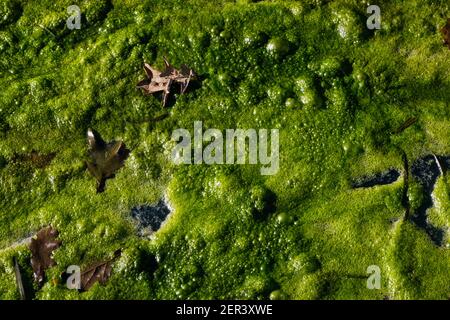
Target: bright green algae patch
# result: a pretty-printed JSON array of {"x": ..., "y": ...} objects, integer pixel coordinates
[{"x": 311, "y": 69}]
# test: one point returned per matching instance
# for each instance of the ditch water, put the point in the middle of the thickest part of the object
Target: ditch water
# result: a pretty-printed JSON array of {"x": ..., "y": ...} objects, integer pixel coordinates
[
  {"x": 425, "y": 171},
  {"x": 150, "y": 218}
]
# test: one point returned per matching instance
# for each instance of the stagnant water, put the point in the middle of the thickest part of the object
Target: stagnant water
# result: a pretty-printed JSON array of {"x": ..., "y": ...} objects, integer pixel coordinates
[
  {"x": 149, "y": 218},
  {"x": 425, "y": 171}
]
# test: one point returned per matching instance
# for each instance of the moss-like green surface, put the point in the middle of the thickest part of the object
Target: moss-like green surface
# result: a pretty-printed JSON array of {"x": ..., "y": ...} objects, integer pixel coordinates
[{"x": 311, "y": 69}]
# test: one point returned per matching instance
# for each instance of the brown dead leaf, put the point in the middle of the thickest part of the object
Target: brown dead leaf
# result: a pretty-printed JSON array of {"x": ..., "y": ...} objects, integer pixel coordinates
[
  {"x": 42, "y": 247},
  {"x": 446, "y": 34},
  {"x": 98, "y": 272},
  {"x": 106, "y": 158},
  {"x": 158, "y": 81}
]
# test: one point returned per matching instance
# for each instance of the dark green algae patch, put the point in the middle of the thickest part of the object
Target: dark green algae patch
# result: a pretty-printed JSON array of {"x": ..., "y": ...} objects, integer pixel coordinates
[{"x": 311, "y": 68}]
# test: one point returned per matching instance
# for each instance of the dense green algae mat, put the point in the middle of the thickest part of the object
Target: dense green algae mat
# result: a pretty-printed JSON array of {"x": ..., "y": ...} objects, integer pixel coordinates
[{"x": 335, "y": 90}]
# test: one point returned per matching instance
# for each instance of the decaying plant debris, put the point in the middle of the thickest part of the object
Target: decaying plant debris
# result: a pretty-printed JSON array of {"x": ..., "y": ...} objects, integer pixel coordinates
[
  {"x": 98, "y": 272},
  {"x": 405, "y": 125},
  {"x": 19, "y": 281},
  {"x": 106, "y": 158},
  {"x": 42, "y": 247},
  {"x": 446, "y": 34},
  {"x": 158, "y": 81}
]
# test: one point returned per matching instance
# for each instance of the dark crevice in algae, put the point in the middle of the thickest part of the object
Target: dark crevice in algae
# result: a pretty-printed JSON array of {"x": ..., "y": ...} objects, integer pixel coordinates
[
  {"x": 149, "y": 218},
  {"x": 405, "y": 198},
  {"x": 382, "y": 178},
  {"x": 426, "y": 171}
]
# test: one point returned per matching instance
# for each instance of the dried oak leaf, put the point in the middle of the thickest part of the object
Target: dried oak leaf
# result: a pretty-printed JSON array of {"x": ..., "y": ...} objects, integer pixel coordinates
[
  {"x": 106, "y": 158},
  {"x": 446, "y": 33},
  {"x": 158, "y": 81},
  {"x": 42, "y": 247},
  {"x": 98, "y": 272}
]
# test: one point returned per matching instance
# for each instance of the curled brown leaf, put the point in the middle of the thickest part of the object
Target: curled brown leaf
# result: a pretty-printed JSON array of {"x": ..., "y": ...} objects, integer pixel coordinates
[{"x": 106, "y": 158}]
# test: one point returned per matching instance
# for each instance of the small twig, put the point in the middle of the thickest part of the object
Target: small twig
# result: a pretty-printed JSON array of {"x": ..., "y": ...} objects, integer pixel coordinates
[
  {"x": 46, "y": 29},
  {"x": 19, "y": 281},
  {"x": 405, "y": 125}
]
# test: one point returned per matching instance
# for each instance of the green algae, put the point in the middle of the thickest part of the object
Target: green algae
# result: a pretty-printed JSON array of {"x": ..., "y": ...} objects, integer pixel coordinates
[{"x": 335, "y": 91}]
